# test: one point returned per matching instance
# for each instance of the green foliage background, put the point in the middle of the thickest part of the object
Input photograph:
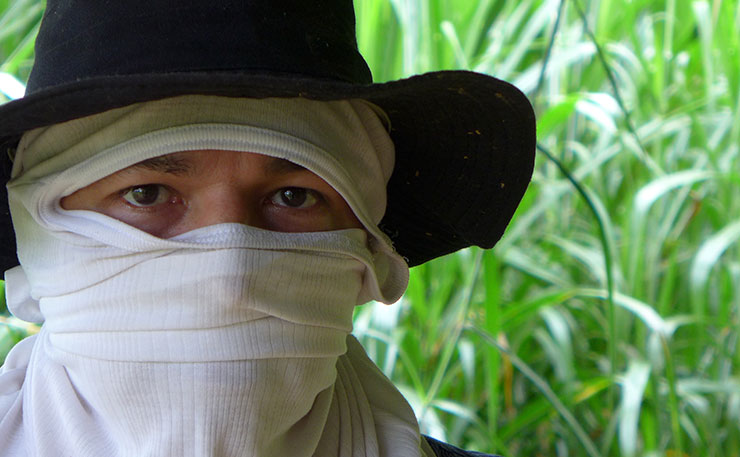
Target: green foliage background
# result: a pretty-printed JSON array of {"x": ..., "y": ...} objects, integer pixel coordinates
[{"x": 605, "y": 322}]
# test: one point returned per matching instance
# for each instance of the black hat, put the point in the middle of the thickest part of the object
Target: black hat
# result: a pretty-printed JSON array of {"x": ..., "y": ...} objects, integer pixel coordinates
[{"x": 464, "y": 141}]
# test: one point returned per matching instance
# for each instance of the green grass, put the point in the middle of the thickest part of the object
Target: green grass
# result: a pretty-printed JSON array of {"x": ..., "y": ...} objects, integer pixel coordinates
[{"x": 606, "y": 321}]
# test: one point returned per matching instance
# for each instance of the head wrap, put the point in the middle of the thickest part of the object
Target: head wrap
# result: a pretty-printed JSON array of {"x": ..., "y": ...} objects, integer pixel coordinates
[
  {"x": 343, "y": 142},
  {"x": 225, "y": 340}
]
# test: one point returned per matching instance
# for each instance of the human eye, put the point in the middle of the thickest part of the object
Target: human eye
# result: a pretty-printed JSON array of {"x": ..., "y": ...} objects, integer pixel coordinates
[
  {"x": 147, "y": 195},
  {"x": 295, "y": 197}
]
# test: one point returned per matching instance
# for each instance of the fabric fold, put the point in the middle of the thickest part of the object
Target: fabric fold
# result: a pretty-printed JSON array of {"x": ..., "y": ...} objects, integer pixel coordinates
[{"x": 226, "y": 340}]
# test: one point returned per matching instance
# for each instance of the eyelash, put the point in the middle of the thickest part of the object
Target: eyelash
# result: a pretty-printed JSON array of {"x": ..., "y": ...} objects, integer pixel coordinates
[
  {"x": 158, "y": 200},
  {"x": 303, "y": 195},
  {"x": 281, "y": 194}
]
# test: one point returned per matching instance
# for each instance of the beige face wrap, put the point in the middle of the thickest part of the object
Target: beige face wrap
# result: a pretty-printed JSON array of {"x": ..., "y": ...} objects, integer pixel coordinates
[
  {"x": 343, "y": 142},
  {"x": 226, "y": 340}
]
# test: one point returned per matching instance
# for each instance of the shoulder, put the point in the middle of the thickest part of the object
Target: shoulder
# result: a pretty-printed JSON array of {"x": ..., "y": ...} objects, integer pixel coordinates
[{"x": 447, "y": 450}]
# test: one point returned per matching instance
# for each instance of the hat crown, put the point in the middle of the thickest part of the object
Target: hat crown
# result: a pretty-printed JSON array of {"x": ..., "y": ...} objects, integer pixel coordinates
[{"x": 87, "y": 39}]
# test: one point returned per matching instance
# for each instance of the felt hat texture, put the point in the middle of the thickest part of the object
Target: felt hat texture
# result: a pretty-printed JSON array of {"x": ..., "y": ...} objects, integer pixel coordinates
[{"x": 464, "y": 141}]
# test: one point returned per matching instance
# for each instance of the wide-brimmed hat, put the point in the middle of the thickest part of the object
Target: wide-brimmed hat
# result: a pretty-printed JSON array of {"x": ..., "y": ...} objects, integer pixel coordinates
[{"x": 464, "y": 141}]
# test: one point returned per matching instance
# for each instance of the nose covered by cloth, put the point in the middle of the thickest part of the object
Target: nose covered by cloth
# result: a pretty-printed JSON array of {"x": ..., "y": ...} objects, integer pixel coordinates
[{"x": 226, "y": 340}]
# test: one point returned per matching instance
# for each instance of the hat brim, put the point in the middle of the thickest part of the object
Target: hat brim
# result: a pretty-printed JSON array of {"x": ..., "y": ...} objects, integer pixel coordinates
[{"x": 464, "y": 142}]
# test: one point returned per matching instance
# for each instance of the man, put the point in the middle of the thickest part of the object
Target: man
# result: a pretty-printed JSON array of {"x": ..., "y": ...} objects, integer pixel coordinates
[{"x": 201, "y": 193}]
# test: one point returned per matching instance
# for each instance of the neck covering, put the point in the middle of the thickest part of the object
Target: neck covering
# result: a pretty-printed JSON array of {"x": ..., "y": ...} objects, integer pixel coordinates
[{"x": 227, "y": 340}]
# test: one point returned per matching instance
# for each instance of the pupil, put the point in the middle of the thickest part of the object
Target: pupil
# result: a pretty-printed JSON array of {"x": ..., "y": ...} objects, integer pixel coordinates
[
  {"x": 294, "y": 196},
  {"x": 145, "y": 195}
]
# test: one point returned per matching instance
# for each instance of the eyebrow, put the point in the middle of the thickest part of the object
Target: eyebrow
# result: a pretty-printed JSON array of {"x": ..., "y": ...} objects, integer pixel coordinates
[
  {"x": 170, "y": 164},
  {"x": 180, "y": 166}
]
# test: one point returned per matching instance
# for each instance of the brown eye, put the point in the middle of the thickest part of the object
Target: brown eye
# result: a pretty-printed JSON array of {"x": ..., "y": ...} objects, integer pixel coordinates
[
  {"x": 147, "y": 195},
  {"x": 295, "y": 197}
]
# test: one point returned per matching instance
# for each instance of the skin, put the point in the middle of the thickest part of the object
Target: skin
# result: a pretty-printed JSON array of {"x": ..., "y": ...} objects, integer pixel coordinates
[{"x": 173, "y": 194}]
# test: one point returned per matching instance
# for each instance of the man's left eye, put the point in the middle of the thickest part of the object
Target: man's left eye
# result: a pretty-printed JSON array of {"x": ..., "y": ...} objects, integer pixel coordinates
[
  {"x": 295, "y": 197},
  {"x": 147, "y": 195}
]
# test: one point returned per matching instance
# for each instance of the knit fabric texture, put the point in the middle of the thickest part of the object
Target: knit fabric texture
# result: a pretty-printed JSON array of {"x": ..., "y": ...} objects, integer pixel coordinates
[{"x": 226, "y": 340}]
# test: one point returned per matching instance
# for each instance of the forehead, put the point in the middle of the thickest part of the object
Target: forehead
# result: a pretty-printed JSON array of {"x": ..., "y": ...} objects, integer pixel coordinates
[{"x": 189, "y": 162}]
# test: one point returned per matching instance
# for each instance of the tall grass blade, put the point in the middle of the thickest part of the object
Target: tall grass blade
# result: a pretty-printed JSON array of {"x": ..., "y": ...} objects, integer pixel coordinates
[
  {"x": 451, "y": 343},
  {"x": 617, "y": 93},
  {"x": 660, "y": 186},
  {"x": 546, "y": 390},
  {"x": 604, "y": 232},
  {"x": 633, "y": 388},
  {"x": 704, "y": 22},
  {"x": 548, "y": 50},
  {"x": 706, "y": 259}
]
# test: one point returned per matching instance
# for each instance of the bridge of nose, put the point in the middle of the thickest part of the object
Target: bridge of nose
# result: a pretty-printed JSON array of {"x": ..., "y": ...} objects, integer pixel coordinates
[{"x": 229, "y": 201}]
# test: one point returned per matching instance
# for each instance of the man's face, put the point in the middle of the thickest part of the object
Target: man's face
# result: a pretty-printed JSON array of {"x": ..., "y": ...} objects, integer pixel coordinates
[{"x": 173, "y": 194}]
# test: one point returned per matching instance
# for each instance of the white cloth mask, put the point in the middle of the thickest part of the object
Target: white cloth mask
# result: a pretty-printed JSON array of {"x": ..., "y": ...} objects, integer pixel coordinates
[{"x": 224, "y": 341}]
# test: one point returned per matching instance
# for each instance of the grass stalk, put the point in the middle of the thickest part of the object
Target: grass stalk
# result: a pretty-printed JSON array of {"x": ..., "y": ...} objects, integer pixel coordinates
[
  {"x": 548, "y": 50},
  {"x": 672, "y": 398},
  {"x": 644, "y": 156},
  {"x": 546, "y": 390},
  {"x": 607, "y": 250},
  {"x": 451, "y": 342},
  {"x": 492, "y": 322}
]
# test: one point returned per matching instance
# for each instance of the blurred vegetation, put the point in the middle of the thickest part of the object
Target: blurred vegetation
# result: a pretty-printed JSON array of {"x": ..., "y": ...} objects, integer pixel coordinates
[{"x": 606, "y": 321}]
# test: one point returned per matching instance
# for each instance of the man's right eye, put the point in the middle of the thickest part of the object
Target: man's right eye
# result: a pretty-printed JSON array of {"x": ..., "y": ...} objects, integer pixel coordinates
[{"x": 147, "y": 195}]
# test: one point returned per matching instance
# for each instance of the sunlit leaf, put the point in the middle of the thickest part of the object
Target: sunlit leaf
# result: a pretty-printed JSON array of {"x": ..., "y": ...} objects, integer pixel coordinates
[
  {"x": 10, "y": 86},
  {"x": 708, "y": 255},
  {"x": 633, "y": 388},
  {"x": 659, "y": 187}
]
